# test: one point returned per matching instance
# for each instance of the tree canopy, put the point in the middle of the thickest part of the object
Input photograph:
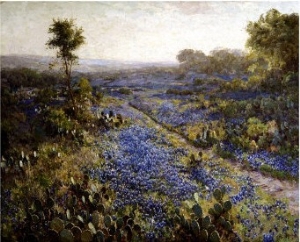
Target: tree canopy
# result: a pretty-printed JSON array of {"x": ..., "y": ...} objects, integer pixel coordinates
[
  {"x": 222, "y": 61},
  {"x": 275, "y": 37}
]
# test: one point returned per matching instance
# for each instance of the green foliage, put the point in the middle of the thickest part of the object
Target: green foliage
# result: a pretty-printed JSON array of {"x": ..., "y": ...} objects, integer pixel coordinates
[
  {"x": 214, "y": 237},
  {"x": 212, "y": 227},
  {"x": 222, "y": 61},
  {"x": 206, "y": 137},
  {"x": 67, "y": 38},
  {"x": 269, "y": 171},
  {"x": 275, "y": 37},
  {"x": 57, "y": 122},
  {"x": 197, "y": 210},
  {"x": 125, "y": 91},
  {"x": 85, "y": 89},
  {"x": 179, "y": 92},
  {"x": 234, "y": 85},
  {"x": 198, "y": 82},
  {"x": 256, "y": 128},
  {"x": 191, "y": 59},
  {"x": 99, "y": 95},
  {"x": 73, "y": 223},
  {"x": 45, "y": 95}
]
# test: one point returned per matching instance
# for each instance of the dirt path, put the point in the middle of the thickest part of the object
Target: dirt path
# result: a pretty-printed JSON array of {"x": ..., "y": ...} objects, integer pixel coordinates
[
  {"x": 274, "y": 187},
  {"x": 279, "y": 189}
]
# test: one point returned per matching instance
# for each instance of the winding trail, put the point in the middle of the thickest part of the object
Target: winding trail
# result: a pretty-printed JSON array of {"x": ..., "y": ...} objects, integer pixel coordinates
[{"x": 276, "y": 188}]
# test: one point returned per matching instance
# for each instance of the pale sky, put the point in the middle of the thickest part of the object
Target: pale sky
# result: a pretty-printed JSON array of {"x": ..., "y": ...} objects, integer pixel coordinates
[{"x": 134, "y": 31}]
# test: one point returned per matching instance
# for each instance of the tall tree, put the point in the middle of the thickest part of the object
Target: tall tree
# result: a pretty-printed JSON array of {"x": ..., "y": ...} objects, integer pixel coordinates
[
  {"x": 275, "y": 37},
  {"x": 67, "y": 38}
]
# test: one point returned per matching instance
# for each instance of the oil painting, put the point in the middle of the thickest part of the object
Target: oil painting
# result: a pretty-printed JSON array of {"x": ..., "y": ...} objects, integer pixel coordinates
[{"x": 150, "y": 121}]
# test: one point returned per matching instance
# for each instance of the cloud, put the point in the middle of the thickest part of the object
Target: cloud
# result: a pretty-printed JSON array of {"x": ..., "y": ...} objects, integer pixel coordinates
[
  {"x": 148, "y": 31},
  {"x": 191, "y": 8}
]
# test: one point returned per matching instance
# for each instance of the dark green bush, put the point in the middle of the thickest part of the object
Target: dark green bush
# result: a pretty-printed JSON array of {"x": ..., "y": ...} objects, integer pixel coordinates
[
  {"x": 198, "y": 82},
  {"x": 125, "y": 91}
]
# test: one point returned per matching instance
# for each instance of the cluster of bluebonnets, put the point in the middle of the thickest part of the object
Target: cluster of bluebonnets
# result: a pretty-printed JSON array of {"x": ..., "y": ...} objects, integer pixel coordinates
[
  {"x": 144, "y": 170},
  {"x": 142, "y": 165},
  {"x": 261, "y": 157},
  {"x": 167, "y": 113}
]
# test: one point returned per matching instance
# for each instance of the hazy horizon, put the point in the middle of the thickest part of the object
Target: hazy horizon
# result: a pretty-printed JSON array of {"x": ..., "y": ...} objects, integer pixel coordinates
[{"x": 134, "y": 31}]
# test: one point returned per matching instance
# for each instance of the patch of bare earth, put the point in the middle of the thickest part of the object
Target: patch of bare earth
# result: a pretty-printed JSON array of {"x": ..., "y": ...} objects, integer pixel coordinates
[{"x": 279, "y": 189}]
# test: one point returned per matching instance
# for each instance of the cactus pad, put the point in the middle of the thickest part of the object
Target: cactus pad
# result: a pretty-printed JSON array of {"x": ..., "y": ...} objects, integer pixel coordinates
[
  {"x": 206, "y": 222},
  {"x": 203, "y": 235},
  {"x": 195, "y": 227},
  {"x": 197, "y": 210},
  {"x": 57, "y": 224},
  {"x": 218, "y": 208},
  {"x": 218, "y": 194},
  {"x": 107, "y": 221},
  {"x": 214, "y": 237},
  {"x": 66, "y": 236},
  {"x": 227, "y": 206},
  {"x": 86, "y": 236}
]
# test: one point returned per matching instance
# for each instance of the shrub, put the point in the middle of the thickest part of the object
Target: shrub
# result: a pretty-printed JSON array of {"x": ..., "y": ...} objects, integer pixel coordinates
[
  {"x": 198, "y": 82},
  {"x": 45, "y": 95},
  {"x": 125, "y": 91},
  {"x": 256, "y": 128},
  {"x": 85, "y": 88},
  {"x": 99, "y": 95},
  {"x": 56, "y": 122}
]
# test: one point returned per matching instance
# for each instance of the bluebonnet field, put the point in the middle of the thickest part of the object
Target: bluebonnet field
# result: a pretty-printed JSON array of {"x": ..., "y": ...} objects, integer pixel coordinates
[
  {"x": 146, "y": 171},
  {"x": 257, "y": 159},
  {"x": 146, "y": 160}
]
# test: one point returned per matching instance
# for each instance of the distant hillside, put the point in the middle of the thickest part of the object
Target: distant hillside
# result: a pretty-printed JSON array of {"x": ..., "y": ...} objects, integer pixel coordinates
[{"x": 41, "y": 63}]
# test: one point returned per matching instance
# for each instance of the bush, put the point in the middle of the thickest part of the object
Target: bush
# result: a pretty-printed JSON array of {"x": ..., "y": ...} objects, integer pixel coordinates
[
  {"x": 125, "y": 91},
  {"x": 56, "y": 122},
  {"x": 44, "y": 96},
  {"x": 268, "y": 170},
  {"x": 256, "y": 128},
  {"x": 99, "y": 95},
  {"x": 198, "y": 82}
]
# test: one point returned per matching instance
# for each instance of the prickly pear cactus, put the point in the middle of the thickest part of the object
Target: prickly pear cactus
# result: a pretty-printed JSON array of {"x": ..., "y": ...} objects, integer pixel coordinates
[
  {"x": 214, "y": 237},
  {"x": 100, "y": 237},
  {"x": 206, "y": 221},
  {"x": 86, "y": 236},
  {"x": 76, "y": 231},
  {"x": 227, "y": 206},
  {"x": 66, "y": 236},
  {"x": 203, "y": 235},
  {"x": 218, "y": 195},
  {"x": 195, "y": 227},
  {"x": 218, "y": 209},
  {"x": 57, "y": 224},
  {"x": 119, "y": 223},
  {"x": 96, "y": 218},
  {"x": 197, "y": 210},
  {"x": 107, "y": 221}
]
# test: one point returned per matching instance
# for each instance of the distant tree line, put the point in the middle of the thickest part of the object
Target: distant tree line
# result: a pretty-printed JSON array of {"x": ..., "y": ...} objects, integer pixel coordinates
[
  {"x": 25, "y": 77},
  {"x": 273, "y": 51},
  {"x": 222, "y": 61}
]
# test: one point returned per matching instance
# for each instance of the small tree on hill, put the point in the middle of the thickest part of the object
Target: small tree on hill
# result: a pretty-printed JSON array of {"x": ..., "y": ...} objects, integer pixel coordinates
[{"x": 67, "y": 38}]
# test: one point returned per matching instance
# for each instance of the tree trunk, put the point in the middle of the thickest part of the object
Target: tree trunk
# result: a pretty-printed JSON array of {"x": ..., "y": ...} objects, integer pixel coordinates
[{"x": 70, "y": 90}]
